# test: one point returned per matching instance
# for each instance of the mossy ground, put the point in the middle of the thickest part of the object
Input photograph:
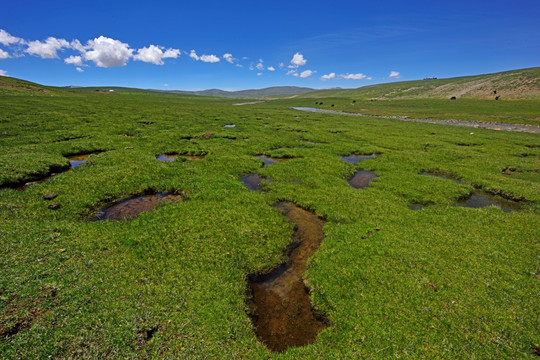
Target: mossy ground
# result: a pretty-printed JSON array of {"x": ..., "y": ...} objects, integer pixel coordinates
[{"x": 441, "y": 282}]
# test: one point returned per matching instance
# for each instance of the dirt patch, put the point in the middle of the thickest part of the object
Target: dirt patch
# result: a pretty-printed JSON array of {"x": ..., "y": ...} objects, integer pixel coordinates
[
  {"x": 362, "y": 179},
  {"x": 279, "y": 303},
  {"x": 130, "y": 208},
  {"x": 20, "y": 313}
]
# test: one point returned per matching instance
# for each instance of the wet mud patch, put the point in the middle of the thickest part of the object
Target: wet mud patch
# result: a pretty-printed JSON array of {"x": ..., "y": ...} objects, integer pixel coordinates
[
  {"x": 130, "y": 208},
  {"x": 361, "y": 179},
  {"x": 356, "y": 158},
  {"x": 278, "y": 302},
  {"x": 253, "y": 182},
  {"x": 509, "y": 171},
  {"x": 37, "y": 178},
  {"x": 20, "y": 313},
  {"x": 267, "y": 160}
]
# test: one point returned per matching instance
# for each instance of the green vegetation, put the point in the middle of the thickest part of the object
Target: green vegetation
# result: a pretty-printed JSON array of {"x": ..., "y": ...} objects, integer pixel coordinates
[{"x": 440, "y": 282}]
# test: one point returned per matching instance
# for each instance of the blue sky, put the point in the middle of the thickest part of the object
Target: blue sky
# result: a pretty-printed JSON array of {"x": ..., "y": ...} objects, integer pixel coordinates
[{"x": 235, "y": 45}]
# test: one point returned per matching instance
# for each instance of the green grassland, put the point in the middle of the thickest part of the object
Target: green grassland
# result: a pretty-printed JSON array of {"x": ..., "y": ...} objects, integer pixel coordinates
[{"x": 441, "y": 282}]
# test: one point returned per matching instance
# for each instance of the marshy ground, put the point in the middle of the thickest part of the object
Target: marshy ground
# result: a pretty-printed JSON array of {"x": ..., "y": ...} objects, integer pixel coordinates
[{"x": 387, "y": 281}]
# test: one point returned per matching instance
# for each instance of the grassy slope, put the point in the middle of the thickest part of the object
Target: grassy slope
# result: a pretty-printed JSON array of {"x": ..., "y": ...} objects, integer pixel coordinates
[
  {"x": 515, "y": 84},
  {"x": 442, "y": 282}
]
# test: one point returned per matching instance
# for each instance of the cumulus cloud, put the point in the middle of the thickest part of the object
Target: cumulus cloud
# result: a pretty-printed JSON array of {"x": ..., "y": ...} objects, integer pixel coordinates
[
  {"x": 4, "y": 54},
  {"x": 394, "y": 75},
  {"x": 260, "y": 65},
  {"x": 291, "y": 72},
  {"x": 74, "y": 60},
  {"x": 271, "y": 68},
  {"x": 79, "y": 69},
  {"x": 7, "y": 39},
  {"x": 328, "y": 76},
  {"x": 259, "y": 74},
  {"x": 47, "y": 49},
  {"x": 305, "y": 74},
  {"x": 107, "y": 52},
  {"x": 298, "y": 60},
  {"x": 358, "y": 76},
  {"x": 229, "y": 58},
  {"x": 209, "y": 58},
  {"x": 193, "y": 55},
  {"x": 239, "y": 65},
  {"x": 3, "y": 72},
  {"x": 155, "y": 54}
]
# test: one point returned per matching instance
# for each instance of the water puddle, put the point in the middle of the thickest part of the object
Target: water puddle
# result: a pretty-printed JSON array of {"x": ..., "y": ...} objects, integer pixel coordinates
[
  {"x": 130, "y": 208},
  {"x": 167, "y": 157},
  {"x": 173, "y": 156},
  {"x": 270, "y": 160},
  {"x": 355, "y": 158},
  {"x": 279, "y": 305},
  {"x": 78, "y": 160},
  {"x": 479, "y": 200},
  {"x": 229, "y": 126},
  {"x": 253, "y": 182},
  {"x": 361, "y": 179}
]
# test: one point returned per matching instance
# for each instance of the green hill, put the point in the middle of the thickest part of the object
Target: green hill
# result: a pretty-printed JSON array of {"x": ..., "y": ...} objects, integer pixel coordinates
[
  {"x": 515, "y": 84},
  {"x": 14, "y": 86}
]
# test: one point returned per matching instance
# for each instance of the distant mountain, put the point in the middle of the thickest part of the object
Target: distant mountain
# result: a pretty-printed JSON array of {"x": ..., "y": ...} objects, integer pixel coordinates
[
  {"x": 275, "y": 91},
  {"x": 515, "y": 84}
]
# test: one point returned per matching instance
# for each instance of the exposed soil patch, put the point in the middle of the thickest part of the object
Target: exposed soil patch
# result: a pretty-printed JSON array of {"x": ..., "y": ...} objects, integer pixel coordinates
[
  {"x": 130, "y": 208},
  {"x": 362, "y": 179},
  {"x": 279, "y": 305},
  {"x": 269, "y": 160},
  {"x": 355, "y": 158},
  {"x": 20, "y": 313}
]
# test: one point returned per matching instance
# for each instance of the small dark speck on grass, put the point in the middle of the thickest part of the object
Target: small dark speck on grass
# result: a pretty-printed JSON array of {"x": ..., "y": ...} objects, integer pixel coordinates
[
  {"x": 149, "y": 332},
  {"x": 535, "y": 350}
]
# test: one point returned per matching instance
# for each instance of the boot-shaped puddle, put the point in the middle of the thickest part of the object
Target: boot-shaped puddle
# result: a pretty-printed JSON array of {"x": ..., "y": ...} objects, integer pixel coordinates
[
  {"x": 355, "y": 159},
  {"x": 279, "y": 306},
  {"x": 130, "y": 208}
]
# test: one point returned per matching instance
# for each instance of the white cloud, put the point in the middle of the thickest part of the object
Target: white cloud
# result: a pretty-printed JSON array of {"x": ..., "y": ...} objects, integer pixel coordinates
[
  {"x": 239, "y": 65},
  {"x": 328, "y": 76},
  {"x": 7, "y": 39},
  {"x": 260, "y": 65},
  {"x": 165, "y": 85},
  {"x": 47, "y": 49},
  {"x": 79, "y": 69},
  {"x": 193, "y": 55},
  {"x": 209, "y": 58},
  {"x": 4, "y": 54},
  {"x": 74, "y": 60},
  {"x": 394, "y": 74},
  {"x": 107, "y": 52},
  {"x": 298, "y": 60},
  {"x": 259, "y": 74},
  {"x": 305, "y": 74},
  {"x": 291, "y": 72},
  {"x": 3, "y": 72},
  {"x": 229, "y": 58},
  {"x": 271, "y": 68},
  {"x": 369, "y": 78},
  {"x": 155, "y": 55},
  {"x": 358, "y": 76},
  {"x": 281, "y": 65}
]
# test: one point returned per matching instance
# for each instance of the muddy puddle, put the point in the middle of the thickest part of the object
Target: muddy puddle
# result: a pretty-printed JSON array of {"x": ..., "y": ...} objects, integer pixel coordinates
[
  {"x": 356, "y": 158},
  {"x": 130, "y": 208},
  {"x": 361, "y": 179},
  {"x": 270, "y": 160},
  {"x": 253, "y": 182},
  {"x": 477, "y": 199},
  {"x": 480, "y": 199},
  {"x": 279, "y": 303},
  {"x": 172, "y": 157}
]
